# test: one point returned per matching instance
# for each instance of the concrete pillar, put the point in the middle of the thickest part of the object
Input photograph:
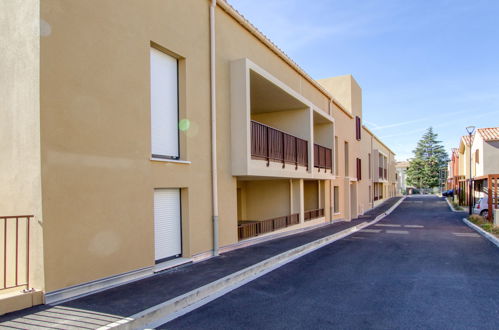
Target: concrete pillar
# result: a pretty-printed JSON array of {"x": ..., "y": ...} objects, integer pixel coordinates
[
  {"x": 319, "y": 195},
  {"x": 302, "y": 201},
  {"x": 346, "y": 199}
]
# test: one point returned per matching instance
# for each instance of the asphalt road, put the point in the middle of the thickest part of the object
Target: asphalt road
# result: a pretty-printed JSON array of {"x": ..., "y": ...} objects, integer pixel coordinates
[{"x": 419, "y": 268}]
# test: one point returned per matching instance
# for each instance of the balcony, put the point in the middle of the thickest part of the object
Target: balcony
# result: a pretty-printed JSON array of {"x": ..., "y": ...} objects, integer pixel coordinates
[
  {"x": 16, "y": 251},
  {"x": 273, "y": 145},
  {"x": 323, "y": 158},
  {"x": 248, "y": 229},
  {"x": 313, "y": 214}
]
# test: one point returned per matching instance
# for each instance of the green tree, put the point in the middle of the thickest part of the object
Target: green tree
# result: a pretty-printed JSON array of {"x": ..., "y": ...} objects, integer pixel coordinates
[{"x": 429, "y": 158}]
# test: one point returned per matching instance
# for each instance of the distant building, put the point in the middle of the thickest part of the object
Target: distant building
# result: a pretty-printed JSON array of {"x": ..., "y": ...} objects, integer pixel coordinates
[
  {"x": 401, "y": 170},
  {"x": 480, "y": 155}
]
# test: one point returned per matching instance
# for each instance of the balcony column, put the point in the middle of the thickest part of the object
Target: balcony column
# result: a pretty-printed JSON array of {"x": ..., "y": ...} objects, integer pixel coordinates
[
  {"x": 347, "y": 199},
  {"x": 296, "y": 197},
  {"x": 301, "y": 192},
  {"x": 310, "y": 140},
  {"x": 319, "y": 197}
]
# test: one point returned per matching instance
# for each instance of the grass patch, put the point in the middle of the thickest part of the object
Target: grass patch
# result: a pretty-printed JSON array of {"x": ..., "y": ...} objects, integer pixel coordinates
[
  {"x": 484, "y": 224},
  {"x": 455, "y": 205}
]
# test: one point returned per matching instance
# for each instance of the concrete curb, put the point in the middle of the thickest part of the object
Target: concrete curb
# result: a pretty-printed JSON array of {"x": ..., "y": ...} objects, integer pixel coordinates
[
  {"x": 189, "y": 301},
  {"x": 452, "y": 207},
  {"x": 482, "y": 232}
]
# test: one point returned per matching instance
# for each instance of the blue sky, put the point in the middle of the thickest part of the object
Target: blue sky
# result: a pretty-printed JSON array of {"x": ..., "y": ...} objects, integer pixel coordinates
[{"x": 419, "y": 63}]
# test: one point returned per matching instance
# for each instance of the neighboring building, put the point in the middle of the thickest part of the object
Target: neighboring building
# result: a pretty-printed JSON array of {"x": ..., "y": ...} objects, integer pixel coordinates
[
  {"x": 485, "y": 166},
  {"x": 453, "y": 170},
  {"x": 402, "y": 176},
  {"x": 106, "y": 138},
  {"x": 484, "y": 150}
]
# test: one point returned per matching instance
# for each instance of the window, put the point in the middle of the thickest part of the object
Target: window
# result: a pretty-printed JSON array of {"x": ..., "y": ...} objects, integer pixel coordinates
[
  {"x": 346, "y": 159},
  {"x": 336, "y": 155},
  {"x": 359, "y": 169},
  {"x": 164, "y": 105},
  {"x": 370, "y": 195},
  {"x": 477, "y": 156},
  {"x": 358, "y": 128},
  {"x": 167, "y": 224},
  {"x": 336, "y": 206},
  {"x": 369, "y": 165}
]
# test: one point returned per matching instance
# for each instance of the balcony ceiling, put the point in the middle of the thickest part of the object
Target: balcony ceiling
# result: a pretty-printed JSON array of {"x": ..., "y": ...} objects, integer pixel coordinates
[
  {"x": 318, "y": 119},
  {"x": 267, "y": 97}
]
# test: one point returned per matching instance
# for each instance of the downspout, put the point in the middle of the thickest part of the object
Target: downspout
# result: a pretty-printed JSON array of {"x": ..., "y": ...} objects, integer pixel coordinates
[
  {"x": 372, "y": 173},
  {"x": 331, "y": 188},
  {"x": 213, "y": 108}
]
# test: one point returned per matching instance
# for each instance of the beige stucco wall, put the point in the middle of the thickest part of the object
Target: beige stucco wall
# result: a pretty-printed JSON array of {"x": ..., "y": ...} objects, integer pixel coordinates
[
  {"x": 311, "y": 194},
  {"x": 265, "y": 199},
  {"x": 488, "y": 156},
  {"x": 20, "y": 172},
  {"x": 294, "y": 122},
  {"x": 98, "y": 179}
]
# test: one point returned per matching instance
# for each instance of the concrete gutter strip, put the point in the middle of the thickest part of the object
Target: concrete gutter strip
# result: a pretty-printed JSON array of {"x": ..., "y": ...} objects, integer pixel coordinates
[
  {"x": 482, "y": 232},
  {"x": 189, "y": 301}
]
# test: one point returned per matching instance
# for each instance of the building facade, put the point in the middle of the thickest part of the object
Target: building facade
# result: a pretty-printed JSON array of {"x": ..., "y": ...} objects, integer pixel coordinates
[
  {"x": 137, "y": 143},
  {"x": 480, "y": 156},
  {"x": 401, "y": 168}
]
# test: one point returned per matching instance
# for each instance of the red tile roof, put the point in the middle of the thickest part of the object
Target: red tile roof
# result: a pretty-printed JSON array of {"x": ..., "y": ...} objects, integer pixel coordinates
[
  {"x": 466, "y": 139},
  {"x": 489, "y": 134}
]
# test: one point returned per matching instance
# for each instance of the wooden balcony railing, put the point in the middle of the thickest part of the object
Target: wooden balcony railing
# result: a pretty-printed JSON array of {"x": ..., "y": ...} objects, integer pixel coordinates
[
  {"x": 16, "y": 250},
  {"x": 323, "y": 158},
  {"x": 274, "y": 145},
  {"x": 247, "y": 229},
  {"x": 313, "y": 214}
]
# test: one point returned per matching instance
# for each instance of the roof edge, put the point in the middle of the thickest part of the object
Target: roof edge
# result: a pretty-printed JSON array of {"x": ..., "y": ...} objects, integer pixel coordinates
[{"x": 279, "y": 52}]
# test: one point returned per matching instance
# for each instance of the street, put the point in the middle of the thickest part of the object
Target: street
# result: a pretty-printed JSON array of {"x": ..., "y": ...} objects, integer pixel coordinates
[{"x": 418, "y": 268}]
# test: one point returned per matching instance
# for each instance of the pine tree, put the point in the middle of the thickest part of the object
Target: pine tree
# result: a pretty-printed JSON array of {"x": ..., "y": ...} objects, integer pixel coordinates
[{"x": 429, "y": 158}]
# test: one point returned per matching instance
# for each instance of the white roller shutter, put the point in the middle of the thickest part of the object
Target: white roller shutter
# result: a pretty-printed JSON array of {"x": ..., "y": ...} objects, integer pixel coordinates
[
  {"x": 164, "y": 105},
  {"x": 167, "y": 222}
]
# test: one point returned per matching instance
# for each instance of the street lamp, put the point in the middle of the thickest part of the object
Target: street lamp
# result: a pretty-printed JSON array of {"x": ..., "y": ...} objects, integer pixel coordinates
[{"x": 470, "y": 130}]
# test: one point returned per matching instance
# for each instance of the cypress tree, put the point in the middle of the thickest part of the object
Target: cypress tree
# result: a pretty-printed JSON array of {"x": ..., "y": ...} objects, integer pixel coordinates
[{"x": 429, "y": 158}]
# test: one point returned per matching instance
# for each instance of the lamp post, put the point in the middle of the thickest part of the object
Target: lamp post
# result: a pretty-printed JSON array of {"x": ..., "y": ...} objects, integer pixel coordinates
[{"x": 470, "y": 130}]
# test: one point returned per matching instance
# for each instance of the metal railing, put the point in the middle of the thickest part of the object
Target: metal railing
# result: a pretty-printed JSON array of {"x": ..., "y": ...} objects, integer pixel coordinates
[
  {"x": 313, "y": 214},
  {"x": 274, "y": 145},
  {"x": 383, "y": 173},
  {"x": 247, "y": 229},
  {"x": 16, "y": 251},
  {"x": 323, "y": 157}
]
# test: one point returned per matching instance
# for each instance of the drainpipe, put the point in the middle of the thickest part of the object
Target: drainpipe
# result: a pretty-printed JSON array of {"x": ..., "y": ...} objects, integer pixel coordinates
[
  {"x": 372, "y": 174},
  {"x": 213, "y": 108}
]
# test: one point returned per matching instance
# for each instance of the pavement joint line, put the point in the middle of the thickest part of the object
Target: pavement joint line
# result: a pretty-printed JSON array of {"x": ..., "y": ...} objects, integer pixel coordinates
[
  {"x": 467, "y": 234},
  {"x": 413, "y": 226},
  {"x": 178, "y": 306},
  {"x": 385, "y": 225},
  {"x": 370, "y": 230},
  {"x": 402, "y": 232},
  {"x": 482, "y": 232}
]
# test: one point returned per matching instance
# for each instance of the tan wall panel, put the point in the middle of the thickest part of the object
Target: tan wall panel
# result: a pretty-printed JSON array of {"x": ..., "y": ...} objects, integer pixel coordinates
[
  {"x": 98, "y": 180},
  {"x": 267, "y": 199},
  {"x": 20, "y": 172}
]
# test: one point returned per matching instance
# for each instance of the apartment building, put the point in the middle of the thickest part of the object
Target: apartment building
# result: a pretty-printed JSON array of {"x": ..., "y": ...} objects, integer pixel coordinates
[
  {"x": 480, "y": 155},
  {"x": 132, "y": 143}
]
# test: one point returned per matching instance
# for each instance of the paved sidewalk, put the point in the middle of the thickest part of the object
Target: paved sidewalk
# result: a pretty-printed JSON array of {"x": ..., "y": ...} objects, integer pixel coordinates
[{"x": 102, "y": 308}]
